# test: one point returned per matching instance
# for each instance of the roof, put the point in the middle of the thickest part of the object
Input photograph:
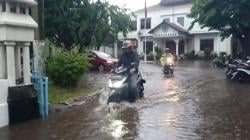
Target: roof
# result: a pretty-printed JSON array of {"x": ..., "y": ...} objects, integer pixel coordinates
[
  {"x": 166, "y": 3},
  {"x": 174, "y": 2},
  {"x": 178, "y": 28},
  {"x": 17, "y": 20},
  {"x": 151, "y": 8},
  {"x": 28, "y": 2}
]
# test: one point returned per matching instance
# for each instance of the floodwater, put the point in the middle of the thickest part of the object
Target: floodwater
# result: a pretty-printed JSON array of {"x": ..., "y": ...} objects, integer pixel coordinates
[{"x": 196, "y": 103}]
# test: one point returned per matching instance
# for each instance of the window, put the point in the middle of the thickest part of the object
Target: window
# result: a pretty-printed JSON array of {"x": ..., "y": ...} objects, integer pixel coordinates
[
  {"x": 102, "y": 54},
  {"x": 13, "y": 8},
  {"x": 206, "y": 44},
  {"x": 149, "y": 46},
  {"x": 133, "y": 25},
  {"x": 148, "y": 23},
  {"x": 180, "y": 20},
  {"x": 164, "y": 27},
  {"x": 3, "y": 6},
  {"x": 22, "y": 10},
  {"x": 167, "y": 19}
]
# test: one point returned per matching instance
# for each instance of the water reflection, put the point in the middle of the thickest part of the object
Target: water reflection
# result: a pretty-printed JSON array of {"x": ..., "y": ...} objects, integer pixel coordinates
[{"x": 122, "y": 125}]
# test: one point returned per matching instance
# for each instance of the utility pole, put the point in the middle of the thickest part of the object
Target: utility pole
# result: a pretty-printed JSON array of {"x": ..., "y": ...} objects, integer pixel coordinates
[{"x": 145, "y": 28}]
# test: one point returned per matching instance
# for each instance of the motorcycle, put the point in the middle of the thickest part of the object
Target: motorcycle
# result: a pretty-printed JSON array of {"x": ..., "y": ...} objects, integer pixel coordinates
[
  {"x": 232, "y": 67},
  {"x": 169, "y": 66},
  {"x": 119, "y": 86},
  {"x": 242, "y": 74}
]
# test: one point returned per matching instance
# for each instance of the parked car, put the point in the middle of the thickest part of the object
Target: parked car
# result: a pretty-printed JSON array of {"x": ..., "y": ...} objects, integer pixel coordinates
[{"x": 101, "y": 61}]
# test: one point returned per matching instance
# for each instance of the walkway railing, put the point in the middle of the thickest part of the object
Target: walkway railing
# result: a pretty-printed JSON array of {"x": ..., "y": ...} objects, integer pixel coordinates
[{"x": 41, "y": 86}]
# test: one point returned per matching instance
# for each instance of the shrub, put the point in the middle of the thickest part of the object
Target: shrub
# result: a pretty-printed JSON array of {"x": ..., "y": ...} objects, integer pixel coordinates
[
  {"x": 65, "y": 68},
  {"x": 150, "y": 56},
  {"x": 207, "y": 52},
  {"x": 190, "y": 55},
  {"x": 222, "y": 55}
]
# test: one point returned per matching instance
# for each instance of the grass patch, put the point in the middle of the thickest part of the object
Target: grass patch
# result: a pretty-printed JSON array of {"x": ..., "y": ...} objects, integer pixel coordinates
[{"x": 59, "y": 94}]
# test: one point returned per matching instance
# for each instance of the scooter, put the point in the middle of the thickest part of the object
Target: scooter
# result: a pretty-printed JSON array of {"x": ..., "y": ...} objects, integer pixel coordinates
[
  {"x": 234, "y": 66},
  {"x": 242, "y": 74},
  {"x": 118, "y": 86},
  {"x": 169, "y": 66}
]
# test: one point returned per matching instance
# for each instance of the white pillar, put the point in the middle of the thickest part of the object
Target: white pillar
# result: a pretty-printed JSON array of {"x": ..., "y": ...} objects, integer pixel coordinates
[
  {"x": 27, "y": 10},
  {"x": 154, "y": 44},
  {"x": 18, "y": 9},
  {"x": 177, "y": 46},
  {"x": 185, "y": 46},
  {"x": 4, "y": 113},
  {"x": 115, "y": 50},
  {"x": 26, "y": 63},
  {"x": 2, "y": 61},
  {"x": 11, "y": 73},
  {"x": 7, "y": 6},
  {"x": 18, "y": 62}
]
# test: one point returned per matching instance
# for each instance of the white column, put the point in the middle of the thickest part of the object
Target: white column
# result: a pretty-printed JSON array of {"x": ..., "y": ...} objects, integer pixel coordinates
[
  {"x": 27, "y": 10},
  {"x": 18, "y": 62},
  {"x": 18, "y": 8},
  {"x": 11, "y": 73},
  {"x": 2, "y": 61},
  {"x": 7, "y": 6},
  {"x": 185, "y": 46},
  {"x": 26, "y": 63},
  {"x": 115, "y": 50},
  {"x": 177, "y": 46},
  {"x": 154, "y": 44}
]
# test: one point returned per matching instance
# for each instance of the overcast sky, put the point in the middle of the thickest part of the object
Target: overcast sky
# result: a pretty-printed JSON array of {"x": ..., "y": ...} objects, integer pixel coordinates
[{"x": 133, "y": 4}]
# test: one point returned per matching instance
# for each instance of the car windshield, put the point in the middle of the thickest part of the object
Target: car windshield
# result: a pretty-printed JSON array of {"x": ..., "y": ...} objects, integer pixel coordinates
[{"x": 102, "y": 55}]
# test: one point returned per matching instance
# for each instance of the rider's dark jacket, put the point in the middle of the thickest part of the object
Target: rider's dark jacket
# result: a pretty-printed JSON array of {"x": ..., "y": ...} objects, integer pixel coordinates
[{"x": 127, "y": 58}]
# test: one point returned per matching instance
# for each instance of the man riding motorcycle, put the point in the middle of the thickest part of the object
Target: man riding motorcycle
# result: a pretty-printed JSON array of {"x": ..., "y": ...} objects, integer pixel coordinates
[
  {"x": 130, "y": 56},
  {"x": 166, "y": 55}
]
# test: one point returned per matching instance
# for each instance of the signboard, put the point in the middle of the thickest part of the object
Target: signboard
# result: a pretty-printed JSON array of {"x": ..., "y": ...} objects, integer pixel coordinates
[{"x": 163, "y": 35}]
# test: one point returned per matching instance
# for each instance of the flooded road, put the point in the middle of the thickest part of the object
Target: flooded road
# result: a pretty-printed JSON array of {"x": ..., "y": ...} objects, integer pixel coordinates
[{"x": 197, "y": 103}]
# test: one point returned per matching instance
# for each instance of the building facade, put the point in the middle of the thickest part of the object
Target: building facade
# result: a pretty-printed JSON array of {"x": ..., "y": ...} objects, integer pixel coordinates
[
  {"x": 16, "y": 34},
  {"x": 167, "y": 26}
]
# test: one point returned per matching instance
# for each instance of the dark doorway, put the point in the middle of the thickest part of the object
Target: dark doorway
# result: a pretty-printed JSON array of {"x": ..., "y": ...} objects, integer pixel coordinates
[
  {"x": 172, "y": 46},
  {"x": 181, "y": 47},
  {"x": 149, "y": 47}
]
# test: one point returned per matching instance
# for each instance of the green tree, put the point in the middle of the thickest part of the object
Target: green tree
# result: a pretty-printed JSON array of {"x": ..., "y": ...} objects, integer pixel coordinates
[
  {"x": 230, "y": 17},
  {"x": 71, "y": 23}
]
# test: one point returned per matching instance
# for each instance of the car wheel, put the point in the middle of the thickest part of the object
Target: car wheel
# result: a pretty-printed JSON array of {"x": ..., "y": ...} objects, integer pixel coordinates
[{"x": 101, "y": 68}]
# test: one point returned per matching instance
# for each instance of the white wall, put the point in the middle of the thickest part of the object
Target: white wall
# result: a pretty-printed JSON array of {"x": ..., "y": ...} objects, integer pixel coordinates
[
  {"x": 219, "y": 45},
  {"x": 4, "y": 114},
  {"x": 172, "y": 13},
  {"x": 190, "y": 45},
  {"x": 41, "y": 52}
]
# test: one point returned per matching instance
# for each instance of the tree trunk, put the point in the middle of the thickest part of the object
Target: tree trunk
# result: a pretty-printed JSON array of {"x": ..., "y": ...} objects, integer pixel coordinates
[{"x": 245, "y": 44}]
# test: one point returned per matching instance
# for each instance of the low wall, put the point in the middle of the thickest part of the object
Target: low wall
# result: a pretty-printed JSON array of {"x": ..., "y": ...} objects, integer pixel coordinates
[{"x": 4, "y": 113}]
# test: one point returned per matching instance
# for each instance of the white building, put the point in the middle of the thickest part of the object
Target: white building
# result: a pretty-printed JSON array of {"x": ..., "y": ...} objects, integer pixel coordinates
[
  {"x": 16, "y": 33},
  {"x": 167, "y": 25}
]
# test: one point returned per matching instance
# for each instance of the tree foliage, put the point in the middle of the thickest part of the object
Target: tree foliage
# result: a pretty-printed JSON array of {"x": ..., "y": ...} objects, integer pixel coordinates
[
  {"x": 83, "y": 23},
  {"x": 230, "y": 17}
]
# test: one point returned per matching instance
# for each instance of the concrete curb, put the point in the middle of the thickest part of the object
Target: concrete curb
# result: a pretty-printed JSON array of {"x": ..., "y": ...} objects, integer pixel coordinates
[{"x": 77, "y": 101}]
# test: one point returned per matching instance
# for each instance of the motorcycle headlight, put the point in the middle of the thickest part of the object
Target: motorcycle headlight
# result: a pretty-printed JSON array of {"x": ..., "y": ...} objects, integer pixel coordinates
[
  {"x": 110, "y": 83},
  {"x": 169, "y": 60},
  {"x": 116, "y": 84}
]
